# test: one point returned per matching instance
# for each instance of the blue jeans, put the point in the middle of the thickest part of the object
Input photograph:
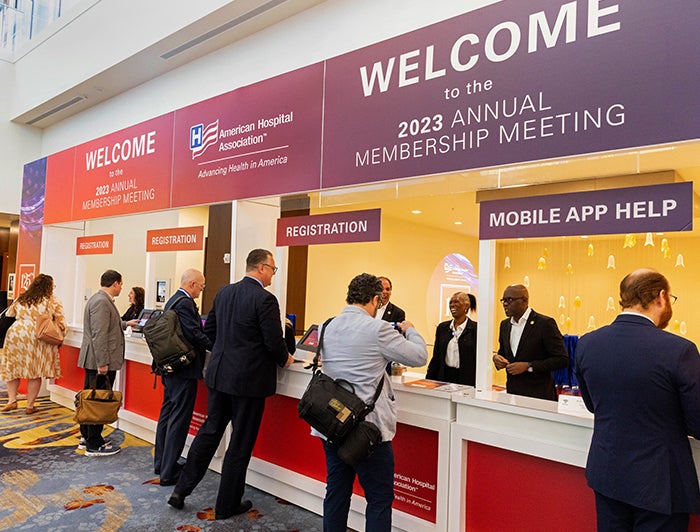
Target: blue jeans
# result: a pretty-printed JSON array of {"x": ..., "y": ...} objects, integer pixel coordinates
[{"x": 376, "y": 475}]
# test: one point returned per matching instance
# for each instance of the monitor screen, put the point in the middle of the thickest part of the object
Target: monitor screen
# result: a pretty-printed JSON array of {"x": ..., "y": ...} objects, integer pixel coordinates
[
  {"x": 144, "y": 315},
  {"x": 309, "y": 342}
]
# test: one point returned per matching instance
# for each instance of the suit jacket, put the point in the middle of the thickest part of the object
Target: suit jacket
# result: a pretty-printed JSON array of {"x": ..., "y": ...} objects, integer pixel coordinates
[
  {"x": 643, "y": 385},
  {"x": 245, "y": 326},
  {"x": 543, "y": 347},
  {"x": 103, "y": 337},
  {"x": 191, "y": 323},
  {"x": 393, "y": 314},
  {"x": 467, "y": 353}
]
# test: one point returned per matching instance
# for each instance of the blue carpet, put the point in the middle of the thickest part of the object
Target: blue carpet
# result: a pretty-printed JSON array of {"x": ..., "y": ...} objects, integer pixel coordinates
[{"x": 47, "y": 484}]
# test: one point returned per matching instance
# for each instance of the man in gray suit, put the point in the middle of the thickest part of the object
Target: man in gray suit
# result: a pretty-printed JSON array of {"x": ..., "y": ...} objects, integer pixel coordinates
[{"x": 101, "y": 353}]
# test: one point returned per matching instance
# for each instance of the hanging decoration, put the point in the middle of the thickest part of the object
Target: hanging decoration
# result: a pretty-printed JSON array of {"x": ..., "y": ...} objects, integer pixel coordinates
[
  {"x": 611, "y": 262},
  {"x": 541, "y": 263},
  {"x": 665, "y": 248},
  {"x": 577, "y": 302},
  {"x": 506, "y": 263},
  {"x": 591, "y": 323},
  {"x": 679, "y": 261},
  {"x": 611, "y": 304},
  {"x": 526, "y": 281},
  {"x": 562, "y": 302},
  {"x": 567, "y": 323},
  {"x": 562, "y": 319},
  {"x": 649, "y": 240},
  {"x": 590, "y": 250},
  {"x": 545, "y": 252},
  {"x": 676, "y": 326},
  {"x": 630, "y": 240},
  {"x": 684, "y": 328},
  {"x": 570, "y": 269}
]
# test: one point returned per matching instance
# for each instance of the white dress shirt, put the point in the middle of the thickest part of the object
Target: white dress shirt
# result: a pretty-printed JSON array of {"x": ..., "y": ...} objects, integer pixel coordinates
[{"x": 516, "y": 330}]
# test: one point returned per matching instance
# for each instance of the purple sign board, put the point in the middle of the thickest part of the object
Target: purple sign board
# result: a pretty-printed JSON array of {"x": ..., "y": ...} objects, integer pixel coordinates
[
  {"x": 616, "y": 211},
  {"x": 341, "y": 227},
  {"x": 511, "y": 82}
]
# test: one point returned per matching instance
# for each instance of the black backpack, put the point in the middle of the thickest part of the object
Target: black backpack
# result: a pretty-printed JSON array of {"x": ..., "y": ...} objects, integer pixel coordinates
[{"x": 170, "y": 349}]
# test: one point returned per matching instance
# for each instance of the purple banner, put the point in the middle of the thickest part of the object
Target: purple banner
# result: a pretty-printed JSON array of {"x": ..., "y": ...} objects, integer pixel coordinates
[
  {"x": 355, "y": 226},
  {"x": 616, "y": 211},
  {"x": 511, "y": 82}
]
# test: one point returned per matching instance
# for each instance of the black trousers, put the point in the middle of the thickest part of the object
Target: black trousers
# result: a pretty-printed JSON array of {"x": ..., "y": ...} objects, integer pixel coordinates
[
  {"x": 245, "y": 415},
  {"x": 617, "y": 516},
  {"x": 93, "y": 433},
  {"x": 173, "y": 424}
]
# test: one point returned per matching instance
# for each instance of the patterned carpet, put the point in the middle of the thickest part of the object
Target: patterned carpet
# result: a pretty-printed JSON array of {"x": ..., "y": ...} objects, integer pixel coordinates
[{"x": 47, "y": 484}]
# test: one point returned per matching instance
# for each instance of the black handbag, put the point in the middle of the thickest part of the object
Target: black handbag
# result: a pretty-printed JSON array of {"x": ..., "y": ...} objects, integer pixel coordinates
[
  {"x": 331, "y": 406},
  {"x": 5, "y": 323}
]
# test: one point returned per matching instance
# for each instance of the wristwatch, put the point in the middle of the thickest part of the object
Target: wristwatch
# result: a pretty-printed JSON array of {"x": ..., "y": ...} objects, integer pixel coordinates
[{"x": 530, "y": 369}]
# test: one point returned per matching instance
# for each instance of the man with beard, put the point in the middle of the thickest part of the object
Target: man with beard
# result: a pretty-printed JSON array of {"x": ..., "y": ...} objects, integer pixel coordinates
[{"x": 643, "y": 386}]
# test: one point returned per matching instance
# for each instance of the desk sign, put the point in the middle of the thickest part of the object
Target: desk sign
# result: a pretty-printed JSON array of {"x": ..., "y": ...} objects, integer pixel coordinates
[
  {"x": 175, "y": 239},
  {"x": 573, "y": 405},
  {"x": 94, "y": 245},
  {"x": 340, "y": 227}
]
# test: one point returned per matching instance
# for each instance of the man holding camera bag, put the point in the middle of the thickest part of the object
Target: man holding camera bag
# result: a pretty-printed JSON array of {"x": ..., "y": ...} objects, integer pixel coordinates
[{"x": 357, "y": 348}]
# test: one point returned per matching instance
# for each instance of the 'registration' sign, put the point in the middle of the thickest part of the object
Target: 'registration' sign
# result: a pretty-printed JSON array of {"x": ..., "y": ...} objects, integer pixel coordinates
[
  {"x": 175, "y": 239},
  {"x": 94, "y": 245},
  {"x": 354, "y": 226}
]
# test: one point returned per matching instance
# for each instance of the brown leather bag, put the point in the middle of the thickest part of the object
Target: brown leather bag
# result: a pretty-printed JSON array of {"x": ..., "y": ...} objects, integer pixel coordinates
[{"x": 47, "y": 330}]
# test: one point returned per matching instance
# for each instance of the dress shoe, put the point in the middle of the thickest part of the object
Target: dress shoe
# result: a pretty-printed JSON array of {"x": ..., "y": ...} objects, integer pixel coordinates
[
  {"x": 177, "y": 501},
  {"x": 168, "y": 482},
  {"x": 9, "y": 407},
  {"x": 31, "y": 410},
  {"x": 240, "y": 509}
]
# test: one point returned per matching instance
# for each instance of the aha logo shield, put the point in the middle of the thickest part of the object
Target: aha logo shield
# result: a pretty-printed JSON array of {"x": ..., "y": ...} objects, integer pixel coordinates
[{"x": 202, "y": 137}]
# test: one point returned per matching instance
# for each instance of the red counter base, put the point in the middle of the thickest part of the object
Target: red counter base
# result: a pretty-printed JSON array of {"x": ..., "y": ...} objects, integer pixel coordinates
[{"x": 512, "y": 491}]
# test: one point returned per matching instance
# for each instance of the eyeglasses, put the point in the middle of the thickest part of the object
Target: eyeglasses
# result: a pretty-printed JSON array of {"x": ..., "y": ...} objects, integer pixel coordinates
[
  {"x": 274, "y": 268},
  {"x": 509, "y": 300},
  {"x": 673, "y": 298}
]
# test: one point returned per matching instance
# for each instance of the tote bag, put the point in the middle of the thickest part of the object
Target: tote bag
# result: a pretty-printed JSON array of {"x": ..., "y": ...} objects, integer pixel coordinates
[{"x": 47, "y": 330}]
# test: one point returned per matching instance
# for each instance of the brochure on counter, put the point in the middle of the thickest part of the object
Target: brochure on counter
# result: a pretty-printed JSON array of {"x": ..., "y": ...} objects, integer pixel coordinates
[{"x": 436, "y": 385}]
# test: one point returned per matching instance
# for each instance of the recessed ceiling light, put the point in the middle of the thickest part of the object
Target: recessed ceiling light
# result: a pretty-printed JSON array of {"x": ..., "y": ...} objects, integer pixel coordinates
[
  {"x": 416, "y": 211},
  {"x": 458, "y": 223}
]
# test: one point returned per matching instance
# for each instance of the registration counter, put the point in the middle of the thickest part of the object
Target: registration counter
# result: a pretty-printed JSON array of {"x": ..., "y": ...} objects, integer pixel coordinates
[
  {"x": 464, "y": 461},
  {"x": 287, "y": 461}
]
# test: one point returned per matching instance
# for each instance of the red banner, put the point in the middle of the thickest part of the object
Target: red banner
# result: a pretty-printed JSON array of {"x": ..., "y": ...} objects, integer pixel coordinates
[
  {"x": 94, "y": 245},
  {"x": 125, "y": 172},
  {"x": 176, "y": 239}
]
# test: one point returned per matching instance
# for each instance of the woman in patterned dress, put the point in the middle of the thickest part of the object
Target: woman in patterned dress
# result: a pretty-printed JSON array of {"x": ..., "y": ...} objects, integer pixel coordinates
[{"x": 24, "y": 356}]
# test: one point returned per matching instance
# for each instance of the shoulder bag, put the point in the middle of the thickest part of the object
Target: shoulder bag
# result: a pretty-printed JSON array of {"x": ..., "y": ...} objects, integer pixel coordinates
[
  {"x": 5, "y": 323},
  {"x": 47, "y": 330},
  {"x": 97, "y": 407},
  {"x": 332, "y": 408}
]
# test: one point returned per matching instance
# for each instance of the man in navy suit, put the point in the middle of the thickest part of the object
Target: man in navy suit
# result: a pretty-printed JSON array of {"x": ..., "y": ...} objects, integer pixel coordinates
[
  {"x": 389, "y": 312},
  {"x": 642, "y": 385},
  {"x": 246, "y": 328},
  {"x": 180, "y": 388},
  {"x": 530, "y": 347}
]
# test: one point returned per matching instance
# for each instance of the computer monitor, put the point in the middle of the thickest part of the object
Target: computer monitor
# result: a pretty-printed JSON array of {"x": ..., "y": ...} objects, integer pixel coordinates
[{"x": 309, "y": 342}]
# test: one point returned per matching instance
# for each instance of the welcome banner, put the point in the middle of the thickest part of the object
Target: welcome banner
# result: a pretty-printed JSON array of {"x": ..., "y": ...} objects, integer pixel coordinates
[{"x": 511, "y": 82}]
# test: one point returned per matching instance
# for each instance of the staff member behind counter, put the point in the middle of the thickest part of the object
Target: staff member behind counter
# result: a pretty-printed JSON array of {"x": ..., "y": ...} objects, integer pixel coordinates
[{"x": 454, "y": 351}]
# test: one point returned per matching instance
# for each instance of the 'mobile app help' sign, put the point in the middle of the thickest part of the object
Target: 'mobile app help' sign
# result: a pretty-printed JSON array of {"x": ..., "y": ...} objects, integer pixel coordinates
[{"x": 623, "y": 210}]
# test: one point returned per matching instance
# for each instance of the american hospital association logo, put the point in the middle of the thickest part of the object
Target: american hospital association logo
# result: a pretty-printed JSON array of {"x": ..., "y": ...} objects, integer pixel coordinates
[{"x": 202, "y": 137}]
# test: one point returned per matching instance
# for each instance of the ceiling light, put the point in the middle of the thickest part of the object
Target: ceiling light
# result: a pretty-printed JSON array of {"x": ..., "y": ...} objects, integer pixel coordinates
[
  {"x": 416, "y": 211},
  {"x": 458, "y": 223}
]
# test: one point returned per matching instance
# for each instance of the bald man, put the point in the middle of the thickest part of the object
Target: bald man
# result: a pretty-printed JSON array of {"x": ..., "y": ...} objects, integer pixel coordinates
[
  {"x": 530, "y": 347},
  {"x": 180, "y": 388}
]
